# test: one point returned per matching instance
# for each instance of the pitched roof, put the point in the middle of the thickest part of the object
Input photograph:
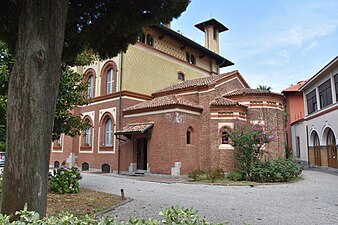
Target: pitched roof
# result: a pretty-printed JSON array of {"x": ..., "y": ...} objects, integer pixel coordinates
[
  {"x": 295, "y": 87},
  {"x": 135, "y": 128},
  {"x": 162, "y": 101},
  {"x": 249, "y": 91},
  {"x": 197, "y": 82},
  {"x": 221, "y": 101}
]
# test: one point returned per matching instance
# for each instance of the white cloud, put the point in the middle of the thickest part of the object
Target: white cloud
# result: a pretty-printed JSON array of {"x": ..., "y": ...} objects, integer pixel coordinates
[{"x": 290, "y": 29}]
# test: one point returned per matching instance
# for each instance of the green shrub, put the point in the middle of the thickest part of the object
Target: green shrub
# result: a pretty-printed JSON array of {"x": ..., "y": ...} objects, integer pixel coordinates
[
  {"x": 198, "y": 174},
  {"x": 215, "y": 174},
  {"x": 173, "y": 215},
  {"x": 278, "y": 170},
  {"x": 65, "y": 180},
  {"x": 235, "y": 176},
  {"x": 248, "y": 141}
]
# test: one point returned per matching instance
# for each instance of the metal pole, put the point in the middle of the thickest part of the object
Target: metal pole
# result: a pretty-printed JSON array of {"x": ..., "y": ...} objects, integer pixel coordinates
[{"x": 120, "y": 116}]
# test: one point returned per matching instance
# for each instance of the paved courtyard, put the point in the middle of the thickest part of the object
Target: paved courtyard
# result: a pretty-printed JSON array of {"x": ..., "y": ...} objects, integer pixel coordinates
[{"x": 311, "y": 201}]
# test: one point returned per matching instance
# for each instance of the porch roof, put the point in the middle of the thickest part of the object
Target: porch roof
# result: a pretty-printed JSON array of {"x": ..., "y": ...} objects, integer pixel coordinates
[{"x": 134, "y": 128}]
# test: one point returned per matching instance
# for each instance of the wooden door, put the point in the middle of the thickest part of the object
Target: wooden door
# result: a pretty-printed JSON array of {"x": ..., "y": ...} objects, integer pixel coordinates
[
  {"x": 318, "y": 160},
  {"x": 316, "y": 144},
  {"x": 142, "y": 154},
  {"x": 332, "y": 156},
  {"x": 331, "y": 149}
]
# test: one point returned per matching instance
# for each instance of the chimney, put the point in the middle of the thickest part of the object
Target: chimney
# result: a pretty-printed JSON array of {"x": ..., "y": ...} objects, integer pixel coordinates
[{"x": 212, "y": 28}]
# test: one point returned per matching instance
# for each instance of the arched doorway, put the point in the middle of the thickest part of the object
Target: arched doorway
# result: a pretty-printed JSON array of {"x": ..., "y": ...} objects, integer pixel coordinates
[
  {"x": 316, "y": 147},
  {"x": 331, "y": 149}
]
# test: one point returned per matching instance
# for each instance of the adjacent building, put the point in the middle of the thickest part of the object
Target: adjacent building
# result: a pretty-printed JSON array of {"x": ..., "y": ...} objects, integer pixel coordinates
[
  {"x": 163, "y": 107},
  {"x": 314, "y": 137}
]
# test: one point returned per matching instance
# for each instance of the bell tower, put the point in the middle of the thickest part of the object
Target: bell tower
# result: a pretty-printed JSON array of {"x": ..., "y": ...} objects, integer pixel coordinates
[{"x": 212, "y": 28}]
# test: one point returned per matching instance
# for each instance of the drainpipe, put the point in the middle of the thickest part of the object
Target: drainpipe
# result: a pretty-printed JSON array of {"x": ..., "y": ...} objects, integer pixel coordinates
[{"x": 120, "y": 116}]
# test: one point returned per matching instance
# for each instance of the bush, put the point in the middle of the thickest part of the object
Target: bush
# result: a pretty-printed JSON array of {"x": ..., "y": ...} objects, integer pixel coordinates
[
  {"x": 248, "y": 141},
  {"x": 198, "y": 174},
  {"x": 65, "y": 180},
  {"x": 215, "y": 174},
  {"x": 173, "y": 215},
  {"x": 278, "y": 170},
  {"x": 235, "y": 176}
]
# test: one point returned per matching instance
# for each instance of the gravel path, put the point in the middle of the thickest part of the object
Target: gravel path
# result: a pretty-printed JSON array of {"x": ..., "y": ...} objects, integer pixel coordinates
[{"x": 312, "y": 201}]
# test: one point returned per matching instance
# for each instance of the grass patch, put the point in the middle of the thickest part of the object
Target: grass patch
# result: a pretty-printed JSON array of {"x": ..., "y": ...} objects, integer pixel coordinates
[{"x": 85, "y": 202}]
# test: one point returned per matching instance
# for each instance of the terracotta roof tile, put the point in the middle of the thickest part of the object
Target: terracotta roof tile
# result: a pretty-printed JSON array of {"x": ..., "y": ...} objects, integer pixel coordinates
[
  {"x": 162, "y": 101},
  {"x": 295, "y": 87},
  {"x": 196, "y": 82},
  {"x": 221, "y": 101},
  {"x": 135, "y": 128},
  {"x": 249, "y": 91}
]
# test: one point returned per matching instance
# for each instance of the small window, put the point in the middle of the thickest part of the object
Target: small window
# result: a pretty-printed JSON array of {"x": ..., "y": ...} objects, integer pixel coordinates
[
  {"x": 105, "y": 168},
  {"x": 215, "y": 34},
  {"x": 297, "y": 146},
  {"x": 225, "y": 137},
  {"x": 108, "y": 133},
  {"x": 85, "y": 166},
  {"x": 190, "y": 58},
  {"x": 56, "y": 164},
  {"x": 110, "y": 81},
  {"x": 187, "y": 56},
  {"x": 90, "y": 91},
  {"x": 150, "y": 40},
  {"x": 188, "y": 137},
  {"x": 180, "y": 76}
]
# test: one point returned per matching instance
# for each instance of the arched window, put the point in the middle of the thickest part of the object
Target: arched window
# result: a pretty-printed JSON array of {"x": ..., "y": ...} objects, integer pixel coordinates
[
  {"x": 110, "y": 81},
  {"x": 108, "y": 78},
  {"x": 108, "y": 140},
  {"x": 189, "y": 135},
  {"x": 85, "y": 166},
  {"x": 88, "y": 137},
  {"x": 331, "y": 140},
  {"x": 316, "y": 142},
  {"x": 56, "y": 164},
  {"x": 105, "y": 168},
  {"x": 150, "y": 40},
  {"x": 225, "y": 137},
  {"x": 90, "y": 91}
]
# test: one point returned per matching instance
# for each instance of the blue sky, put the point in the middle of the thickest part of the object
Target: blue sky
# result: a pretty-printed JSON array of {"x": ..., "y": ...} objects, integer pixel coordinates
[{"x": 271, "y": 42}]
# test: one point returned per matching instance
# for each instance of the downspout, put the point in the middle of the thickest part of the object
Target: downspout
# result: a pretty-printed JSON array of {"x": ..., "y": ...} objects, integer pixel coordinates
[
  {"x": 120, "y": 116},
  {"x": 307, "y": 146}
]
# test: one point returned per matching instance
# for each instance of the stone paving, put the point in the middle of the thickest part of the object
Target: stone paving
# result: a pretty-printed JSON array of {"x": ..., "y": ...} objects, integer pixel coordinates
[{"x": 311, "y": 201}]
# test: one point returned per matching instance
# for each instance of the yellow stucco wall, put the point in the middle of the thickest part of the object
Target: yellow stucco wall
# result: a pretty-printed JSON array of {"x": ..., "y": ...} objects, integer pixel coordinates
[{"x": 146, "y": 70}]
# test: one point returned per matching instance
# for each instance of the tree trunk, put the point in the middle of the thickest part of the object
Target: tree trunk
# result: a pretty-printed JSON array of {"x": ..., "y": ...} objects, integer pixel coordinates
[{"x": 32, "y": 97}]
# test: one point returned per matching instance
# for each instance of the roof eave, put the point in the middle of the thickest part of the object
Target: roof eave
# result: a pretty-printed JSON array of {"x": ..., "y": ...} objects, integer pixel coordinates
[
  {"x": 314, "y": 77},
  {"x": 221, "y": 61}
]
